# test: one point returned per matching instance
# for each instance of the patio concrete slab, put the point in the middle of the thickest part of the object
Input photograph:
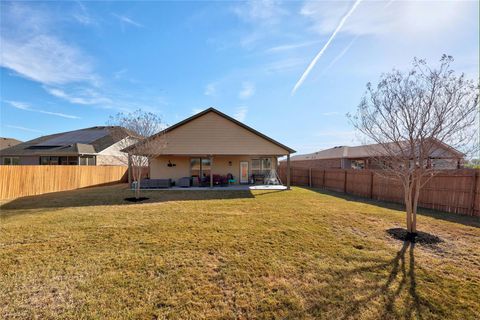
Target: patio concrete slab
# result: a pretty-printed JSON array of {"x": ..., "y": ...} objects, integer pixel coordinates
[{"x": 227, "y": 188}]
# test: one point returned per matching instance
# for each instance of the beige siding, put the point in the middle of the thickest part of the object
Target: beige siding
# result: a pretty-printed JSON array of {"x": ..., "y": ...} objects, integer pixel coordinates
[
  {"x": 113, "y": 156},
  {"x": 111, "y": 160},
  {"x": 213, "y": 134},
  {"x": 159, "y": 168}
]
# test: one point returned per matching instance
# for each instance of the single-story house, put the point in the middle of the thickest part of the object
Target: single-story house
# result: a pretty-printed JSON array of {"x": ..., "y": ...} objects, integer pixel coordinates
[
  {"x": 442, "y": 156},
  {"x": 209, "y": 144},
  {"x": 90, "y": 146},
  {"x": 8, "y": 142}
]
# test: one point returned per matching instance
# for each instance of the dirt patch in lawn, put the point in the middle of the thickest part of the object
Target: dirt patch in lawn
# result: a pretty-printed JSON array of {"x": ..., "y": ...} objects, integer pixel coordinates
[
  {"x": 133, "y": 199},
  {"x": 420, "y": 237}
]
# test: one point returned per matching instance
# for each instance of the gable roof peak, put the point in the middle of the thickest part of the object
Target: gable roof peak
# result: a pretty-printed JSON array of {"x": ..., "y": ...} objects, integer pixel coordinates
[{"x": 221, "y": 114}]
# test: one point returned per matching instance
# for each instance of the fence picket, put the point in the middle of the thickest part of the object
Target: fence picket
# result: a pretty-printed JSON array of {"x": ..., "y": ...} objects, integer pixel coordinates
[
  {"x": 19, "y": 181},
  {"x": 456, "y": 191}
]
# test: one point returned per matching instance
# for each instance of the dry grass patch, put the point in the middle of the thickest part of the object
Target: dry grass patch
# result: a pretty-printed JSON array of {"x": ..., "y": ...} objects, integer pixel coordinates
[{"x": 300, "y": 254}]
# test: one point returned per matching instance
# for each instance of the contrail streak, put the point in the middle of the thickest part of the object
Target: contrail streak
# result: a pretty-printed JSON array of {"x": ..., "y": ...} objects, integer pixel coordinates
[
  {"x": 320, "y": 53},
  {"x": 340, "y": 55}
]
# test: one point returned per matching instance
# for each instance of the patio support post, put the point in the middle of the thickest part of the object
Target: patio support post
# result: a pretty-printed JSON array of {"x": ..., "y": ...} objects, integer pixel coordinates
[
  {"x": 211, "y": 172},
  {"x": 288, "y": 171},
  {"x": 129, "y": 171}
]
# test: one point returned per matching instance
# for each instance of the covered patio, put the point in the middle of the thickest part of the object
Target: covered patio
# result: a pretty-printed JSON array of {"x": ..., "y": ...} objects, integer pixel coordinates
[
  {"x": 212, "y": 149},
  {"x": 218, "y": 170}
]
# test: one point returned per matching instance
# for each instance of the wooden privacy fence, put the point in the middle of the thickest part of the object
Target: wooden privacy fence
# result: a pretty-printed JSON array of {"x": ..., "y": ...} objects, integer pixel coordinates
[
  {"x": 19, "y": 181},
  {"x": 456, "y": 191}
]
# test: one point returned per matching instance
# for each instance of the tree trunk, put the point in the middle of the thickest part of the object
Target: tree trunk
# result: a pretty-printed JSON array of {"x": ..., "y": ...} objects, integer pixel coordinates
[
  {"x": 137, "y": 190},
  {"x": 138, "y": 177},
  {"x": 415, "y": 205},
  {"x": 410, "y": 195},
  {"x": 408, "y": 208}
]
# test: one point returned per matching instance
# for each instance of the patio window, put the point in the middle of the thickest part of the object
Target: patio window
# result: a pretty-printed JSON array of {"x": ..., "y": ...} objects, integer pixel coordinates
[
  {"x": 200, "y": 167},
  {"x": 261, "y": 166},
  {"x": 50, "y": 160},
  {"x": 358, "y": 164},
  {"x": 87, "y": 160},
  {"x": 11, "y": 161}
]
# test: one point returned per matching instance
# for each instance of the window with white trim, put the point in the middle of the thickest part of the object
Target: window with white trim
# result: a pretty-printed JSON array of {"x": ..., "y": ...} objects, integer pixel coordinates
[
  {"x": 11, "y": 161},
  {"x": 261, "y": 166}
]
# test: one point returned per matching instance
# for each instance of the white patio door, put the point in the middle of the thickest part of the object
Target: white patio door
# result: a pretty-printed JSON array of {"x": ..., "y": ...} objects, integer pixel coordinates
[{"x": 243, "y": 171}]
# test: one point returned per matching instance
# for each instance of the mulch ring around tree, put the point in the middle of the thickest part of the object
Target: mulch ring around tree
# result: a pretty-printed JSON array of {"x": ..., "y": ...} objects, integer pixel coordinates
[
  {"x": 133, "y": 199},
  {"x": 420, "y": 237}
]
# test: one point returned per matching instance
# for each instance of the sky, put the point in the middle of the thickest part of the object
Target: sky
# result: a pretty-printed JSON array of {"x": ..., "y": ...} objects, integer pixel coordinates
[{"x": 291, "y": 70}]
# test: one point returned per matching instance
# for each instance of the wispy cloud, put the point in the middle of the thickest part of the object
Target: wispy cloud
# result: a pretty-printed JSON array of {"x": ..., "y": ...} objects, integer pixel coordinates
[
  {"x": 241, "y": 113},
  {"x": 248, "y": 90},
  {"x": 263, "y": 17},
  {"x": 82, "y": 16},
  {"x": 291, "y": 46},
  {"x": 210, "y": 89},
  {"x": 26, "y": 107},
  {"x": 45, "y": 59},
  {"x": 260, "y": 11},
  {"x": 84, "y": 96},
  {"x": 23, "y": 128},
  {"x": 284, "y": 65},
  {"x": 126, "y": 20},
  {"x": 119, "y": 74},
  {"x": 320, "y": 53},
  {"x": 31, "y": 50},
  {"x": 339, "y": 56},
  {"x": 387, "y": 18}
]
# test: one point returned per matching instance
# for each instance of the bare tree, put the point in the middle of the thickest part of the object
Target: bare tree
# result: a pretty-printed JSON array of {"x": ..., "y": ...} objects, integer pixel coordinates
[
  {"x": 139, "y": 145},
  {"x": 409, "y": 115}
]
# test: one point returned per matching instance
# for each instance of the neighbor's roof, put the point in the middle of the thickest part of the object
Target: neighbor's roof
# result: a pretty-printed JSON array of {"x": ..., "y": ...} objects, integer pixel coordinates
[
  {"x": 198, "y": 115},
  {"x": 84, "y": 141},
  {"x": 8, "y": 142},
  {"x": 364, "y": 151}
]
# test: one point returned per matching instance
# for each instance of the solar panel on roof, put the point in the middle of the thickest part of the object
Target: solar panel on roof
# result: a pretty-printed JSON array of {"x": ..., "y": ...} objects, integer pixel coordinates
[{"x": 85, "y": 136}]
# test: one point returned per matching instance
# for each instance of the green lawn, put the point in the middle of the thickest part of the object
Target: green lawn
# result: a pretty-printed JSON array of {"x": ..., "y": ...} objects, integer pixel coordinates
[{"x": 299, "y": 254}]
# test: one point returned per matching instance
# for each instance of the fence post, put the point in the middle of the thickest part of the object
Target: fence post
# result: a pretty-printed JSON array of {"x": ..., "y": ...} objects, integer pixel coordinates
[
  {"x": 310, "y": 177},
  {"x": 473, "y": 192},
  {"x": 323, "y": 179},
  {"x": 371, "y": 184},
  {"x": 288, "y": 171},
  {"x": 345, "y": 182}
]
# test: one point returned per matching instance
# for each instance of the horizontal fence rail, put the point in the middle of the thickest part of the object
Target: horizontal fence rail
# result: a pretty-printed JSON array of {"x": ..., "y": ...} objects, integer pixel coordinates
[
  {"x": 456, "y": 191},
  {"x": 19, "y": 181}
]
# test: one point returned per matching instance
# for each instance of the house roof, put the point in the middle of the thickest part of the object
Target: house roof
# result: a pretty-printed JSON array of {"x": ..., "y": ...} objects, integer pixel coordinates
[
  {"x": 365, "y": 151},
  {"x": 84, "y": 141},
  {"x": 8, "y": 142},
  {"x": 221, "y": 114}
]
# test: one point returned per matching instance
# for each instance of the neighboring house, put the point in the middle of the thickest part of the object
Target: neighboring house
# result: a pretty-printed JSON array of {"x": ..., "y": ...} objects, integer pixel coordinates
[
  {"x": 90, "y": 146},
  {"x": 212, "y": 143},
  {"x": 367, "y": 157},
  {"x": 8, "y": 142}
]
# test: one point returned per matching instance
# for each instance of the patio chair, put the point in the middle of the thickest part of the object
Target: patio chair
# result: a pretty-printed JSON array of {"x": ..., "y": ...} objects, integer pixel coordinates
[
  {"x": 231, "y": 179},
  {"x": 204, "y": 181},
  {"x": 217, "y": 179}
]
